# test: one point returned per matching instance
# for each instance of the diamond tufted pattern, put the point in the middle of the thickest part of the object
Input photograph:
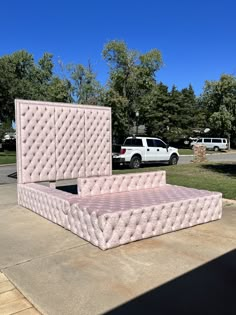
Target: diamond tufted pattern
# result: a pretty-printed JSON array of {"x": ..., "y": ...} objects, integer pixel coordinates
[
  {"x": 47, "y": 202},
  {"x": 121, "y": 227},
  {"x": 35, "y": 135},
  {"x": 141, "y": 198},
  {"x": 120, "y": 183},
  {"x": 114, "y": 219},
  {"x": 62, "y": 141},
  {"x": 70, "y": 144},
  {"x": 98, "y": 142}
]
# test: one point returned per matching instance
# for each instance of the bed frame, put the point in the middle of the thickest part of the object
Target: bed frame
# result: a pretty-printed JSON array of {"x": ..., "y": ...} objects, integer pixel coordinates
[{"x": 57, "y": 141}]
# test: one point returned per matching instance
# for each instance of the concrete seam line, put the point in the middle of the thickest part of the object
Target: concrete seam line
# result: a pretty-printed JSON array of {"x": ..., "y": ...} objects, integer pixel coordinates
[
  {"x": 43, "y": 256},
  {"x": 21, "y": 290}
]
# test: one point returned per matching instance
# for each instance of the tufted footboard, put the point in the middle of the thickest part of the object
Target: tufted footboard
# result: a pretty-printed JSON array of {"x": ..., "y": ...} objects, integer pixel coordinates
[{"x": 93, "y": 186}]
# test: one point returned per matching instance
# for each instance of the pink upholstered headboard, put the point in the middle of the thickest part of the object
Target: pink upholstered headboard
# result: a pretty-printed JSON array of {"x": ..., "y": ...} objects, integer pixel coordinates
[{"x": 62, "y": 141}]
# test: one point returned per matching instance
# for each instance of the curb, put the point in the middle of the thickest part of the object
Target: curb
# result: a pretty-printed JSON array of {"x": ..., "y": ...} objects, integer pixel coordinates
[
  {"x": 12, "y": 164},
  {"x": 208, "y": 154},
  {"x": 229, "y": 201}
]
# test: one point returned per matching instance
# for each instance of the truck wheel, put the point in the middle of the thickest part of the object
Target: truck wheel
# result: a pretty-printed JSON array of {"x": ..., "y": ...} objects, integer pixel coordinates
[
  {"x": 135, "y": 162},
  {"x": 173, "y": 159},
  {"x": 216, "y": 149}
]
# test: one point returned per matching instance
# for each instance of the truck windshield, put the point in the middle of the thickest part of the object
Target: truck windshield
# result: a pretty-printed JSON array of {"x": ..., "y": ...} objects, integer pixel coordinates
[{"x": 133, "y": 142}]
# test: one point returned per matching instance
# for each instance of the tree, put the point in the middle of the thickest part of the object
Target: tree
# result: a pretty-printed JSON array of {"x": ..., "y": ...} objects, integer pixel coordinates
[
  {"x": 155, "y": 109},
  {"x": 121, "y": 62},
  {"x": 170, "y": 115},
  {"x": 85, "y": 88},
  {"x": 187, "y": 112},
  {"x": 131, "y": 76},
  {"x": 219, "y": 97},
  {"x": 59, "y": 90},
  {"x": 120, "y": 120},
  {"x": 21, "y": 77},
  {"x": 15, "y": 73},
  {"x": 221, "y": 121}
]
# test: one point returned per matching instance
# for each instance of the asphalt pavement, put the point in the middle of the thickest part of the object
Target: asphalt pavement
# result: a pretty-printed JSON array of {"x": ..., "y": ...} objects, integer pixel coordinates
[
  {"x": 6, "y": 170},
  {"x": 215, "y": 157}
]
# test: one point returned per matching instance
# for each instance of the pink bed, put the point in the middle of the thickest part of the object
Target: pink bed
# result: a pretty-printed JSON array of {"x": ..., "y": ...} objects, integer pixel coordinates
[{"x": 67, "y": 141}]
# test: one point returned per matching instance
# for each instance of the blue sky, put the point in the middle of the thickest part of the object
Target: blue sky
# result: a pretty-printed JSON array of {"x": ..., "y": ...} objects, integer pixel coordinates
[{"x": 196, "y": 38}]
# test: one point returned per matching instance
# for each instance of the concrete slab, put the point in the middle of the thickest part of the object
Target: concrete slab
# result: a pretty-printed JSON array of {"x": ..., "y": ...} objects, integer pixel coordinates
[
  {"x": 86, "y": 280},
  {"x": 25, "y": 235},
  {"x": 8, "y": 195}
]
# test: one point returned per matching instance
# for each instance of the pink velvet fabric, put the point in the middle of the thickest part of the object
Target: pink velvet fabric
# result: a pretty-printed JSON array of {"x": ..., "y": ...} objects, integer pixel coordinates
[
  {"x": 112, "y": 202},
  {"x": 121, "y": 224},
  {"x": 62, "y": 141},
  {"x": 69, "y": 142},
  {"x": 113, "y": 219},
  {"x": 93, "y": 186}
]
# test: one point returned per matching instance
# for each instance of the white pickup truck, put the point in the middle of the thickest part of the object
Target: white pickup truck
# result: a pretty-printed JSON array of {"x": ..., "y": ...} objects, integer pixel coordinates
[{"x": 137, "y": 150}]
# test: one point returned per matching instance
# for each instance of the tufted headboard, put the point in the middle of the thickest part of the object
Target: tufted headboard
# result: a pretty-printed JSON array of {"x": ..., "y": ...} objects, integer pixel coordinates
[{"x": 62, "y": 141}]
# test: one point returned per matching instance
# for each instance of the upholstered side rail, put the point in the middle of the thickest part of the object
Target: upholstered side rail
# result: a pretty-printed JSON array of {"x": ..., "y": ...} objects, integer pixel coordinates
[
  {"x": 125, "y": 227},
  {"x": 86, "y": 224},
  {"x": 61, "y": 208},
  {"x": 93, "y": 186},
  {"x": 113, "y": 229},
  {"x": 50, "y": 203}
]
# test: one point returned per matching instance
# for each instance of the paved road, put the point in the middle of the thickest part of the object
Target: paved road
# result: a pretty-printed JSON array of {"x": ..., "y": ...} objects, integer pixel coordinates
[
  {"x": 4, "y": 172},
  {"x": 219, "y": 157},
  {"x": 184, "y": 159}
]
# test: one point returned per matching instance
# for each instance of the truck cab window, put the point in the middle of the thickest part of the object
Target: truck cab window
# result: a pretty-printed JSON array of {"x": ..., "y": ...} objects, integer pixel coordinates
[
  {"x": 134, "y": 142},
  {"x": 159, "y": 144},
  {"x": 150, "y": 143}
]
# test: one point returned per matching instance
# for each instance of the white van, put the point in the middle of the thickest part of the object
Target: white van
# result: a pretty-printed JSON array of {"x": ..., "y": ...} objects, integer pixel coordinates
[{"x": 215, "y": 144}]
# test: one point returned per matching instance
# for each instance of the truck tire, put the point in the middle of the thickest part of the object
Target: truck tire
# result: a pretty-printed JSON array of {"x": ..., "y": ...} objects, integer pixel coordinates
[
  {"x": 135, "y": 162},
  {"x": 173, "y": 159},
  {"x": 216, "y": 149}
]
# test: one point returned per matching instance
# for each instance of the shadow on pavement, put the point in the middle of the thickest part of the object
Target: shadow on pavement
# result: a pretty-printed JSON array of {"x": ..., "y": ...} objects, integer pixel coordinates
[
  {"x": 228, "y": 169},
  {"x": 209, "y": 289}
]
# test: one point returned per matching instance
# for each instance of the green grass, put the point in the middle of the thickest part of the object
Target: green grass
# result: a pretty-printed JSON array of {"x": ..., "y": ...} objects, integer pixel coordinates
[
  {"x": 185, "y": 152},
  {"x": 210, "y": 176},
  {"x": 7, "y": 157}
]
